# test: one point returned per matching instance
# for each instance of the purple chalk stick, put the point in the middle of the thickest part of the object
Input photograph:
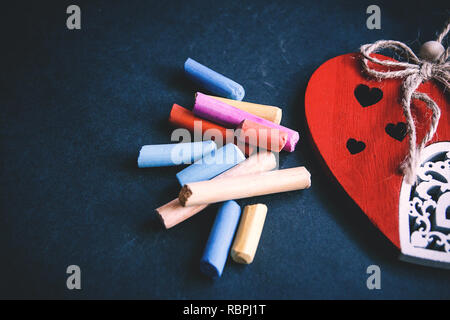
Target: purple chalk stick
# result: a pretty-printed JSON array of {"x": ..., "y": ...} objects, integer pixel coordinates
[{"x": 229, "y": 116}]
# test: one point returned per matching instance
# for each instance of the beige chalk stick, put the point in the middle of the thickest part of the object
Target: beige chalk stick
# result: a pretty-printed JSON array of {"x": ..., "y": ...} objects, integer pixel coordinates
[
  {"x": 248, "y": 234},
  {"x": 249, "y": 185},
  {"x": 270, "y": 113},
  {"x": 173, "y": 212}
]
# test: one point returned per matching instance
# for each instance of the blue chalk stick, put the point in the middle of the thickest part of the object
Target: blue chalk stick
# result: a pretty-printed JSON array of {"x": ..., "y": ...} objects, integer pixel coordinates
[
  {"x": 212, "y": 165},
  {"x": 213, "y": 81},
  {"x": 220, "y": 238},
  {"x": 159, "y": 155}
]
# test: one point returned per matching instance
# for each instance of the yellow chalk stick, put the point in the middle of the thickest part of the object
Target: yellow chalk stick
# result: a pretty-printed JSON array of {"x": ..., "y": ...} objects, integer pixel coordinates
[
  {"x": 249, "y": 232},
  {"x": 270, "y": 113}
]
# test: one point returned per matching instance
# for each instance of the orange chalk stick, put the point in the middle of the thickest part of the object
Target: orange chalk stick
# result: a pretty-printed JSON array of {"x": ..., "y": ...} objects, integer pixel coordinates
[
  {"x": 260, "y": 135},
  {"x": 184, "y": 118}
]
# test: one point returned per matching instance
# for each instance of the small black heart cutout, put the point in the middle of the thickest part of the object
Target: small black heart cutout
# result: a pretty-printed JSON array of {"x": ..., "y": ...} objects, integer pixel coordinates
[
  {"x": 367, "y": 96},
  {"x": 397, "y": 131},
  {"x": 355, "y": 146}
]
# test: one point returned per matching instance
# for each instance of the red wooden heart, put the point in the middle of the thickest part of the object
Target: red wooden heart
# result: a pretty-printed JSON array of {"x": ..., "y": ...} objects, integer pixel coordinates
[{"x": 334, "y": 115}]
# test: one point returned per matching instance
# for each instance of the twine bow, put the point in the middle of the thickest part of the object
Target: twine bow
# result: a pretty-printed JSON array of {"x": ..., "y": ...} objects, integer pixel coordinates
[{"x": 434, "y": 65}]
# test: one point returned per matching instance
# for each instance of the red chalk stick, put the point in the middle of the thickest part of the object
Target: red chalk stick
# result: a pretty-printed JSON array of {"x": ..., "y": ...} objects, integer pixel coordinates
[
  {"x": 184, "y": 118},
  {"x": 260, "y": 135}
]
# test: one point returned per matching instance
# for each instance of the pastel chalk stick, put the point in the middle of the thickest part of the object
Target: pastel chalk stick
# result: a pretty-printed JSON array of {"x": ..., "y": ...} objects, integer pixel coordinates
[
  {"x": 220, "y": 238},
  {"x": 213, "y": 81},
  {"x": 173, "y": 213},
  {"x": 270, "y": 113},
  {"x": 212, "y": 165},
  {"x": 245, "y": 186},
  {"x": 260, "y": 135},
  {"x": 219, "y": 112},
  {"x": 184, "y": 118},
  {"x": 248, "y": 234},
  {"x": 159, "y": 155}
]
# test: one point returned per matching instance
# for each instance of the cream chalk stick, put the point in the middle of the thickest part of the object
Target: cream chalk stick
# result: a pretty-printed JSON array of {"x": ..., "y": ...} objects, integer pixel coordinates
[
  {"x": 173, "y": 212},
  {"x": 248, "y": 234},
  {"x": 245, "y": 186},
  {"x": 270, "y": 113}
]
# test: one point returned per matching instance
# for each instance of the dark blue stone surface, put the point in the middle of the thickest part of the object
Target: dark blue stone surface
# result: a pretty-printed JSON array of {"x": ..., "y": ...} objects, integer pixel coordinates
[{"x": 76, "y": 106}]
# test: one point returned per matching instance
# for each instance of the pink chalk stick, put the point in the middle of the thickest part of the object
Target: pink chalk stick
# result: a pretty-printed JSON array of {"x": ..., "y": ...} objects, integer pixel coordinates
[{"x": 229, "y": 116}]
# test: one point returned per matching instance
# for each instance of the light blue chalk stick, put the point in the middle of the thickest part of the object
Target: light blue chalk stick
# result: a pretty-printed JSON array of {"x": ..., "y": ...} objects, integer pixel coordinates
[
  {"x": 220, "y": 238},
  {"x": 212, "y": 165},
  {"x": 213, "y": 81},
  {"x": 159, "y": 155}
]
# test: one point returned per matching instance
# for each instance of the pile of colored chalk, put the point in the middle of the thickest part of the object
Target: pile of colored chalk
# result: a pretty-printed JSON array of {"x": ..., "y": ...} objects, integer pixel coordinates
[{"x": 225, "y": 174}]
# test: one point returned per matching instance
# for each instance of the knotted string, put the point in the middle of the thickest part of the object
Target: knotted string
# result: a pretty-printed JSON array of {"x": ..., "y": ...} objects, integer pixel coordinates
[{"x": 431, "y": 65}]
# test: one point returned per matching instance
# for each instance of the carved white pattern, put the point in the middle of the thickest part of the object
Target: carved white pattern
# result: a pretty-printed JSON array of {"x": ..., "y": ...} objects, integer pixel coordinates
[{"x": 424, "y": 226}]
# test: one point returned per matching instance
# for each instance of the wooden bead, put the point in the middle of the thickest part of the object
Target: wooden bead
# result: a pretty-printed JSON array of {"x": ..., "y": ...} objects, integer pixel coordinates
[
  {"x": 249, "y": 233},
  {"x": 431, "y": 50}
]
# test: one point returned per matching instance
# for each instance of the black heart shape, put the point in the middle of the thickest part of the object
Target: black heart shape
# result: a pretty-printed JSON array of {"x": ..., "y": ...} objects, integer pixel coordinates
[
  {"x": 367, "y": 96},
  {"x": 355, "y": 146},
  {"x": 397, "y": 131}
]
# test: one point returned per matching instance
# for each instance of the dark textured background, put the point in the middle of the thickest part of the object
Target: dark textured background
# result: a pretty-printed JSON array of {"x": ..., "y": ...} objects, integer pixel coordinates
[{"x": 77, "y": 105}]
